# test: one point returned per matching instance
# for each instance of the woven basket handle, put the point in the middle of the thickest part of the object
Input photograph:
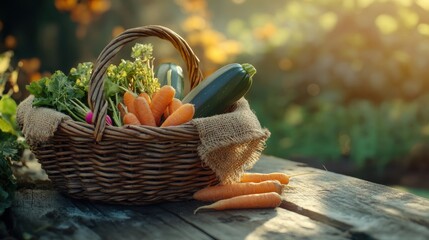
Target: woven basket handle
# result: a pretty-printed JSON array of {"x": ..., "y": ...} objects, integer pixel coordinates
[{"x": 96, "y": 99}]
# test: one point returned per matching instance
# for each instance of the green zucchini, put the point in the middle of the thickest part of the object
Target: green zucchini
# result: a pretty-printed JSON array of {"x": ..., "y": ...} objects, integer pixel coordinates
[
  {"x": 171, "y": 74},
  {"x": 215, "y": 94}
]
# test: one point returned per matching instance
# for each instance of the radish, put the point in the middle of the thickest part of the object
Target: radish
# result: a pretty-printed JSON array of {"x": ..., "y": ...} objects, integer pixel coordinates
[{"x": 89, "y": 115}]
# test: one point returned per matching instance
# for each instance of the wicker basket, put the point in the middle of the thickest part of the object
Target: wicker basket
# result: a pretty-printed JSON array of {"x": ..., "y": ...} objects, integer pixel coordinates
[{"x": 132, "y": 165}]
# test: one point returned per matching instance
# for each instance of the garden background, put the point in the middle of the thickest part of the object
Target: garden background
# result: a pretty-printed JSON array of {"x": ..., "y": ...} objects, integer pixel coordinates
[{"x": 342, "y": 85}]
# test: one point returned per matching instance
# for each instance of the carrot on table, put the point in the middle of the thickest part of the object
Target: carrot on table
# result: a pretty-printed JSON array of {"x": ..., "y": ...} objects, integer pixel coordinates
[
  {"x": 261, "y": 200},
  {"x": 146, "y": 96},
  {"x": 129, "y": 101},
  {"x": 219, "y": 192},
  {"x": 161, "y": 100},
  {"x": 259, "y": 177},
  {"x": 130, "y": 119},
  {"x": 183, "y": 114},
  {"x": 144, "y": 114}
]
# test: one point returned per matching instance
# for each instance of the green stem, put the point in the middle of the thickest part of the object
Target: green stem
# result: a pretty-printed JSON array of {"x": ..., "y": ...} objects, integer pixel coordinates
[
  {"x": 249, "y": 68},
  {"x": 115, "y": 114},
  {"x": 76, "y": 117}
]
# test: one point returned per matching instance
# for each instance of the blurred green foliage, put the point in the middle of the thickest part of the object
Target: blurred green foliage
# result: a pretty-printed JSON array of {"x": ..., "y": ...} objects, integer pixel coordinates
[
  {"x": 11, "y": 142},
  {"x": 340, "y": 79}
]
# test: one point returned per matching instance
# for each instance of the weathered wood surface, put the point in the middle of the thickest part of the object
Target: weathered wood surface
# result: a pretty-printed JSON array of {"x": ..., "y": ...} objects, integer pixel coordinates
[{"x": 317, "y": 205}]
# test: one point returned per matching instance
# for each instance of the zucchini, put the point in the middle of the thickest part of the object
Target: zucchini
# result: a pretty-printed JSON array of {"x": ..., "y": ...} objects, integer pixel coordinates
[
  {"x": 171, "y": 74},
  {"x": 215, "y": 94}
]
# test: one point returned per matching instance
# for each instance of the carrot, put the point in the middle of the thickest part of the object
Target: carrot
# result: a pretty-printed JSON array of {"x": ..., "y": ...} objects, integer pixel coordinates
[
  {"x": 173, "y": 106},
  {"x": 130, "y": 119},
  {"x": 129, "y": 101},
  {"x": 144, "y": 113},
  {"x": 259, "y": 177},
  {"x": 261, "y": 200},
  {"x": 161, "y": 100},
  {"x": 215, "y": 193},
  {"x": 183, "y": 114},
  {"x": 146, "y": 96}
]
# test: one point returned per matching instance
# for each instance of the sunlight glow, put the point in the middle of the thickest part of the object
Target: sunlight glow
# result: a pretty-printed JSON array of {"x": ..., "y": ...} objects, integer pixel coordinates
[
  {"x": 405, "y": 3},
  {"x": 328, "y": 20},
  {"x": 364, "y": 3},
  {"x": 423, "y": 29},
  {"x": 386, "y": 24},
  {"x": 194, "y": 22},
  {"x": 408, "y": 17},
  {"x": 423, "y": 4}
]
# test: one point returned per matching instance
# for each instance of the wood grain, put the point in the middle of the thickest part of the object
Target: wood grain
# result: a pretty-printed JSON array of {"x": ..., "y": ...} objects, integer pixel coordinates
[
  {"x": 49, "y": 215},
  {"x": 317, "y": 204},
  {"x": 361, "y": 208}
]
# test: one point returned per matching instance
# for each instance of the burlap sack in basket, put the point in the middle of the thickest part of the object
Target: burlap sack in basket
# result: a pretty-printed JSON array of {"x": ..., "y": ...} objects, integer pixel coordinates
[{"x": 141, "y": 164}]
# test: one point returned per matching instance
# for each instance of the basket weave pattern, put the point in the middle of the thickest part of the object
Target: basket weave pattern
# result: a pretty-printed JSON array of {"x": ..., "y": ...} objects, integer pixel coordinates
[
  {"x": 135, "y": 166},
  {"x": 132, "y": 165}
]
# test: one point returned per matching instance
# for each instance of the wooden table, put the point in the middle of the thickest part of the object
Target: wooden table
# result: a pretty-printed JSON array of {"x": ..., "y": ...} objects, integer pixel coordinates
[{"x": 318, "y": 205}]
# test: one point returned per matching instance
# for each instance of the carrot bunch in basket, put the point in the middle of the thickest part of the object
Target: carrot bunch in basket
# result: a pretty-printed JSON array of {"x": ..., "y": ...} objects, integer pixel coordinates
[
  {"x": 254, "y": 190},
  {"x": 160, "y": 110}
]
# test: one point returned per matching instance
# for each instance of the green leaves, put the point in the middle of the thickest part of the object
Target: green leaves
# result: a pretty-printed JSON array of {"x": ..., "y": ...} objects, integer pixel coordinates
[
  {"x": 11, "y": 147},
  {"x": 7, "y": 114},
  {"x": 11, "y": 150},
  {"x": 59, "y": 90}
]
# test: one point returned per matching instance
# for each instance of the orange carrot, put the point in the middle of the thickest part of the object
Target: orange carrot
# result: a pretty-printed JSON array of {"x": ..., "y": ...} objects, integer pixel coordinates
[
  {"x": 144, "y": 113},
  {"x": 183, "y": 114},
  {"x": 215, "y": 193},
  {"x": 130, "y": 119},
  {"x": 146, "y": 96},
  {"x": 161, "y": 100},
  {"x": 129, "y": 101},
  {"x": 259, "y": 177},
  {"x": 173, "y": 106},
  {"x": 261, "y": 200}
]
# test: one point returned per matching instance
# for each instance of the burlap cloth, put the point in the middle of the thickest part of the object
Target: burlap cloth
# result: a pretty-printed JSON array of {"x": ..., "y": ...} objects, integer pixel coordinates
[
  {"x": 38, "y": 124},
  {"x": 230, "y": 143}
]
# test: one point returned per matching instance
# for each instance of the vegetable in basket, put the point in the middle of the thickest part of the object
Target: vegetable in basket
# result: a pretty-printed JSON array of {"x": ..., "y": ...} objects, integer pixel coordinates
[
  {"x": 131, "y": 76},
  {"x": 215, "y": 94},
  {"x": 64, "y": 93},
  {"x": 68, "y": 93},
  {"x": 163, "y": 110},
  {"x": 171, "y": 74}
]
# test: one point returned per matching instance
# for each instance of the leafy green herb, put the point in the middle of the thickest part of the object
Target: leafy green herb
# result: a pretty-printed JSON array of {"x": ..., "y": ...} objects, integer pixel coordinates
[{"x": 61, "y": 92}]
